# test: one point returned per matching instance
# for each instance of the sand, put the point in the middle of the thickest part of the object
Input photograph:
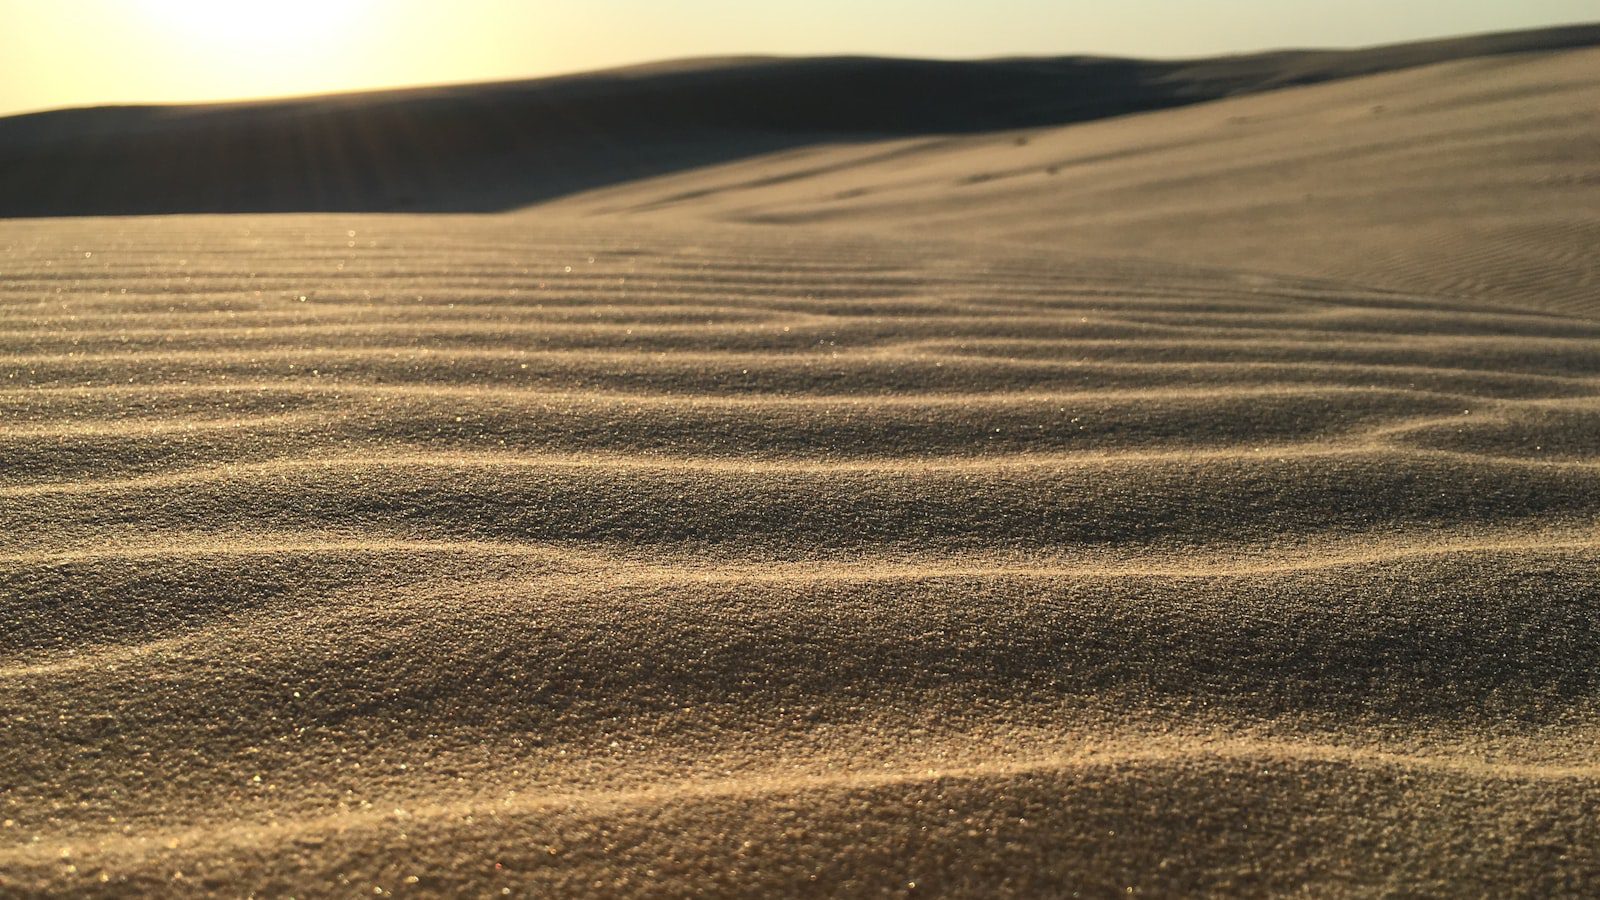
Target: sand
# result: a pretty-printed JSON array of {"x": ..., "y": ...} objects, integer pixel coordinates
[{"x": 1214, "y": 513}]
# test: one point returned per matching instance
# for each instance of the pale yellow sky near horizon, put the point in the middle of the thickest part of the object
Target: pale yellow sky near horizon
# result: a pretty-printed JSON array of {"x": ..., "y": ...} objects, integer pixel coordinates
[{"x": 99, "y": 52}]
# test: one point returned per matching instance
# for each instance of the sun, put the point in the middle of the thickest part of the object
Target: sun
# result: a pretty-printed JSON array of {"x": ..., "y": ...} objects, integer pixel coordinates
[
  {"x": 249, "y": 49},
  {"x": 253, "y": 24}
]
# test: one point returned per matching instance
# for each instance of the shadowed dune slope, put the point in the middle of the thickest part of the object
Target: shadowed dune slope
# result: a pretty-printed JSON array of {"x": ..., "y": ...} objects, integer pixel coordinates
[
  {"x": 501, "y": 146},
  {"x": 647, "y": 556}
]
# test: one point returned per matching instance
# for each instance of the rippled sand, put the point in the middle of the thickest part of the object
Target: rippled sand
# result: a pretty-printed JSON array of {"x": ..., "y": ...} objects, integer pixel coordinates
[{"x": 952, "y": 546}]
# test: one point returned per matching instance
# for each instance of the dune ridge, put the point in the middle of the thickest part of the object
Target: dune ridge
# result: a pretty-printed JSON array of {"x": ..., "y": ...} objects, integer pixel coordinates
[{"x": 514, "y": 819}]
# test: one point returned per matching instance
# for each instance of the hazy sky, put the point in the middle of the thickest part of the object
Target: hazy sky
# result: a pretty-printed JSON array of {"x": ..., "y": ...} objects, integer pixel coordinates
[{"x": 86, "y": 52}]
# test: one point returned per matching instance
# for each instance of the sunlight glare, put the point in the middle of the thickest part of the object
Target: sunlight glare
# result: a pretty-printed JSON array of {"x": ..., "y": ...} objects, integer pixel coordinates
[{"x": 251, "y": 24}]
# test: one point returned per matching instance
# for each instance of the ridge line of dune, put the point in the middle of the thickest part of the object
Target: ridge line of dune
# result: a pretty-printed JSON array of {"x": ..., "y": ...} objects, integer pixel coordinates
[
  {"x": 1340, "y": 553},
  {"x": 805, "y": 357},
  {"x": 614, "y": 460},
  {"x": 1256, "y": 751},
  {"x": 335, "y": 388}
]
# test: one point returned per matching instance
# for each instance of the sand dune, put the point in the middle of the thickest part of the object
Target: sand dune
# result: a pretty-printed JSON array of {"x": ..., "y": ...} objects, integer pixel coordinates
[
  {"x": 478, "y": 148},
  {"x": 1466, "y": 178},
  {"x": 833, "y": 523}
]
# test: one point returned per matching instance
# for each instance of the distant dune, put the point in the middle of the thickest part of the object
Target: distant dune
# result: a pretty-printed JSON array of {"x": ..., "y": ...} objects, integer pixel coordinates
[
  {"x": 1200, "y": 502},
  {"x": 501, "y": 146},
  {"x": 1479, "y": 177}
]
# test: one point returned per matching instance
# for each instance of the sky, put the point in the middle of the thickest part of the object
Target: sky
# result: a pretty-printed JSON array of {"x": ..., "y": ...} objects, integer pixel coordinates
[{"x": 57, "y": 53}]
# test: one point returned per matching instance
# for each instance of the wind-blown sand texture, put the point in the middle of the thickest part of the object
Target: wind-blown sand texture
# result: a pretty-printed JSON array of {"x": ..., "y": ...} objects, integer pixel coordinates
[{"x": 1197, "y": 502}]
